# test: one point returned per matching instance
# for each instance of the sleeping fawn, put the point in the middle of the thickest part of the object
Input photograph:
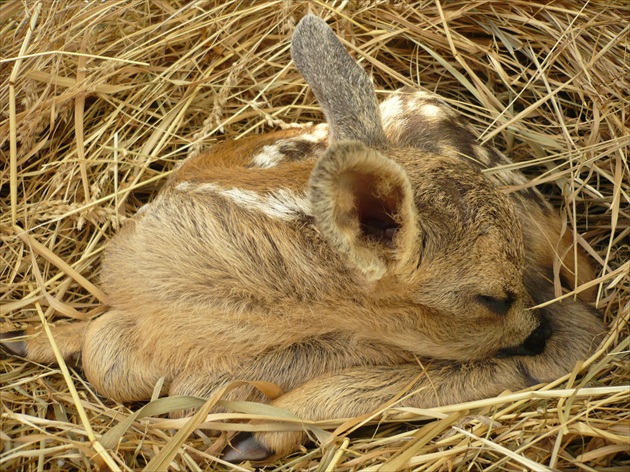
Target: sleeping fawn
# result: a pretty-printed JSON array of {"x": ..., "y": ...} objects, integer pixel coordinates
[{"x": 338, "y": 261}]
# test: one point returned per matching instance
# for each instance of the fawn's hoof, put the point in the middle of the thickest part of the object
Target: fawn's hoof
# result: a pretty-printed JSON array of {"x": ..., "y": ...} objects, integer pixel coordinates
[
  {"x": 9, "y": 343},
  {"x": 244, "y": 447}
]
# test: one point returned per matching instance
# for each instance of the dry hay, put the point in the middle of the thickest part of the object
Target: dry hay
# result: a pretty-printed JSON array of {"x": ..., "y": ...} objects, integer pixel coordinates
[{"x": 99, "y": 100}]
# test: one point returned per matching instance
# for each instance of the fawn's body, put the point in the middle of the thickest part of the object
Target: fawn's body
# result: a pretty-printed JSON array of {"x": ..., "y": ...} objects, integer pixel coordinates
[{"x": 331, "y": 260}]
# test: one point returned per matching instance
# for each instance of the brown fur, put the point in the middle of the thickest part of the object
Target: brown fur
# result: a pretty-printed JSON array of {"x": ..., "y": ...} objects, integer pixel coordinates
[
  {"x": 218, "y": 165},
  {"x": 333, "y": 270}
]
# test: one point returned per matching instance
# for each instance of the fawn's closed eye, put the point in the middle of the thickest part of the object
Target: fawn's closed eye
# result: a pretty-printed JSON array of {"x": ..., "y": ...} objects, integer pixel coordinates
[{"x": 499, "y": 305}]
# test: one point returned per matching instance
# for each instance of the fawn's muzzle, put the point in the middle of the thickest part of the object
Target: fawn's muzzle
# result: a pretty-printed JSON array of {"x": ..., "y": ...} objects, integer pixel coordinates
[{"x": 534, "y": 344}]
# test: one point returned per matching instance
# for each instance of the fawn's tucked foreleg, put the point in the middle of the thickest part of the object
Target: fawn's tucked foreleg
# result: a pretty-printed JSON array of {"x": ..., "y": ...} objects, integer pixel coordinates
[{"x": 364, "y": 389}]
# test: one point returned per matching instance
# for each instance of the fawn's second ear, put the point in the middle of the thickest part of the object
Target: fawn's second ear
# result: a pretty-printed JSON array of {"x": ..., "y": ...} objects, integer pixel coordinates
[{"x": 363, "y": 205}]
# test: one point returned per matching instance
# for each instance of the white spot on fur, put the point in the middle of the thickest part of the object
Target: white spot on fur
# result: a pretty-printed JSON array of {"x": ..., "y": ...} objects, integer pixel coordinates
[
  {"x": 286, "y": 202},
  {"x": 508, "y": 177},
  {"x": 391, "y": 109},
  {"x": 432, "y": 112},
  {"x": 400, "y": 107},
  {"x": 430, "y": 105},
  {"x": 282, "y": 204},
  {"x": 270, "y": 156},
  {"x": 320, "y": 132},
  {"x": 393, "y": 117},
  {"x": 483, "y": 155},
  {"x": 452, "y": 151}
]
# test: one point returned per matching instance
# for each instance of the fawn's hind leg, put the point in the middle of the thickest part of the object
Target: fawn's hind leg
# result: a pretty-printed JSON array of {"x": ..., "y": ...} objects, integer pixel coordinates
[
  {"x": 118, "y": 359},
  {"x": 35, "y": 346},
  {"x": 115, "y": 354}
]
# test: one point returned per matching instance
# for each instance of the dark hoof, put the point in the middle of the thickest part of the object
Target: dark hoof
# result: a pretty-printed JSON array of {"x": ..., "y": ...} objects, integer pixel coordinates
[
  {"x": 8, "y": 343},
  {"x": 244, "y": 447}
]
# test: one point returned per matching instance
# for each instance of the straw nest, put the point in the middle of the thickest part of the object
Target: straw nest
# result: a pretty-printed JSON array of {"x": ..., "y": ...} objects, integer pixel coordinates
[{"x": 101, "y": 99}]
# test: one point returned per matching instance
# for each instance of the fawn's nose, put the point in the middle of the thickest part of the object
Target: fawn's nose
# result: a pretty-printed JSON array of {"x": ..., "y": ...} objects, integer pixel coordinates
[{"x": 534, "y": 344}]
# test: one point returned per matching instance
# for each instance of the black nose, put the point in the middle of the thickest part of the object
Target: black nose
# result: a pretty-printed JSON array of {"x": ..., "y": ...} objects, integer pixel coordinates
[{"x": 533, "y": 345}]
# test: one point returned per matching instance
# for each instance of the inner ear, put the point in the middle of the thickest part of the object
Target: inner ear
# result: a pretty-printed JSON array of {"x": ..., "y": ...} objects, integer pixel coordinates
[
  {"x": 375, "y": 205},
  {"x": 363, "y": 206}
]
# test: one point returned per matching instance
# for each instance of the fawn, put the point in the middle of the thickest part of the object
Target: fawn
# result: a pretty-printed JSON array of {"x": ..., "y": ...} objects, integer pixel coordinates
[{"x": 338, "y": 261}]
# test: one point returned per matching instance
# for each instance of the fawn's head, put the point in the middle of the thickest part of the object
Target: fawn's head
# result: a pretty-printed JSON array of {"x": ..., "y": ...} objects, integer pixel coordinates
[{"x": 430, "y": 233}]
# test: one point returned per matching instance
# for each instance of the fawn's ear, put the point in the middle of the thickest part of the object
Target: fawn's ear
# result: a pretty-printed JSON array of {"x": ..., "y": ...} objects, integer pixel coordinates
[
  {"x": 343, "y": 89},
  {"x": 363, "y": 205}
]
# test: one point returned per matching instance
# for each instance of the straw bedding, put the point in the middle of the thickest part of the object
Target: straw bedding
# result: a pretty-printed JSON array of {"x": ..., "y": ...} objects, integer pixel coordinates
[{"x": 100, "y": 100}]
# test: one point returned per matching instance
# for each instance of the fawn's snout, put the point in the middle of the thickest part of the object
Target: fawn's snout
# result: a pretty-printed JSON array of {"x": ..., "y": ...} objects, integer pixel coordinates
[{"x": 534, "y": 344}]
